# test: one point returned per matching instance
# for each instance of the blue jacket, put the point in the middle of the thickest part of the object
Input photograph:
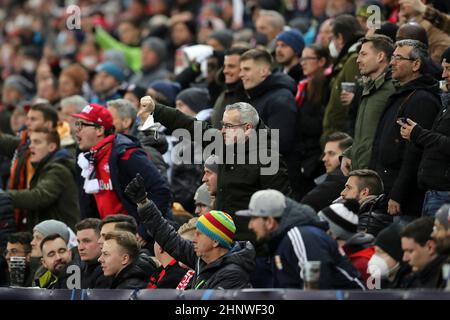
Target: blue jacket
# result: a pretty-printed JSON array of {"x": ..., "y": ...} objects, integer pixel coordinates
[
  {"x": 123, "y": 170},
  {"x": 302, "y": 237}
]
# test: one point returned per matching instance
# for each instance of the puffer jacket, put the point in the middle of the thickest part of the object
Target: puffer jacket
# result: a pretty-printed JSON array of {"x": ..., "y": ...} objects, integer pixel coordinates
[{"x": 134, "y": 276}]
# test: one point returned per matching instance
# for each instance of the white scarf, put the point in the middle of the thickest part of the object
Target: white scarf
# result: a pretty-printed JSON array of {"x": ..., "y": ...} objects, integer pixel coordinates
[{"x": 87, "y": 171}]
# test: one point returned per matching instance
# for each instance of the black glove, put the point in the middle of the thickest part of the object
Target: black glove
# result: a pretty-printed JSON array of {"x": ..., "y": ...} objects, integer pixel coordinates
[{"x": 135, "y": 190}]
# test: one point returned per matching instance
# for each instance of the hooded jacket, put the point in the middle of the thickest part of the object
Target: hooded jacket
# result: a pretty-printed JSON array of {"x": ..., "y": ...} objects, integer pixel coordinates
[
  {"x": 274, "y": 99},
  {"x": 52, "y": 193},
  {"x": 236, "y": 182},
  {"x": 230, "y": 271},
  {"x": 301, "y": 237},
  {"x": 134, "y": 276},
  {"x": 395, "y": 159}
]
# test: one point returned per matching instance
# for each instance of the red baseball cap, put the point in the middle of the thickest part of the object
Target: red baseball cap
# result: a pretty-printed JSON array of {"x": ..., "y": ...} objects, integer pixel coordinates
[{"x": 97, "y": 114}]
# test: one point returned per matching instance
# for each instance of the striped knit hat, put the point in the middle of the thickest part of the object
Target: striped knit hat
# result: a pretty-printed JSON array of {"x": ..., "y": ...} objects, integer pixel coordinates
[{"x": 218, "y": 226}]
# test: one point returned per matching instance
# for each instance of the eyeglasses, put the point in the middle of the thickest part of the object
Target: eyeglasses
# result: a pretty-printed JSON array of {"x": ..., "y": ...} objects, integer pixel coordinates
[
  {"x": 230, "y": 125},
  {"x": 308, "y": 58},
  {"x": 80, "y": 125},
  {"x": 398, "y": 58}
]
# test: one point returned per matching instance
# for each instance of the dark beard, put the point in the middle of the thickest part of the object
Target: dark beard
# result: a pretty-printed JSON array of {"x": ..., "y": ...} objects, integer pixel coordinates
[{"x": 443, "y": 246}]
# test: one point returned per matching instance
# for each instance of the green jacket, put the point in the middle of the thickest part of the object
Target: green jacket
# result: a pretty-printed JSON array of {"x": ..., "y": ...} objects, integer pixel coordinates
[
  {"x": 53, "y": 192},
  {"x": 8, "y": 144},
  {"x": 374, "y": 97},
  {"x": 235, "y": 183},
  {"x": 132, "y": 54},
  {"x": 346, "y": 70}
]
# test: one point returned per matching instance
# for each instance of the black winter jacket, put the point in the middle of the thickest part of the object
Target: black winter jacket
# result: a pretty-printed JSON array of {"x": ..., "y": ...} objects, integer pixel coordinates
[
  {"x": 395, "y": 159},
  {"x": 134, "y": 276},
  {"x": 231, "y": 271},
  {"x": 434, "y": 169}
]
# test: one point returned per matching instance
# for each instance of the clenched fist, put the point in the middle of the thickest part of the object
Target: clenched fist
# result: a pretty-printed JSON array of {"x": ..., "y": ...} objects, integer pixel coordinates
[{"x": 146, "y": 108}]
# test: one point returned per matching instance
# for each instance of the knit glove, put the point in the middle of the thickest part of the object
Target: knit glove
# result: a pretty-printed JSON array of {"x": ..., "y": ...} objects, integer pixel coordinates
[{"x": 135, "y": 190}]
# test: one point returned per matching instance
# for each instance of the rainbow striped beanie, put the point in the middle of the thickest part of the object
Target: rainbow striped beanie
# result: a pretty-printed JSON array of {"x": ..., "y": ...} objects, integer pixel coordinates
[{"x": 218, "y": 226}]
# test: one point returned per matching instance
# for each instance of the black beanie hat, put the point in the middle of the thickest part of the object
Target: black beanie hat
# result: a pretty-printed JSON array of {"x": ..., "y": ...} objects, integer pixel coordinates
[
  {"x": 389, "y": 240},
  {"x": 195, "y": 98}
]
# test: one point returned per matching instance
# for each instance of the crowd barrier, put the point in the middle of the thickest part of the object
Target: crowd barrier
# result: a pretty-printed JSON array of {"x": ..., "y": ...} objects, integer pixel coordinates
[{"x": 225, "y": 295}]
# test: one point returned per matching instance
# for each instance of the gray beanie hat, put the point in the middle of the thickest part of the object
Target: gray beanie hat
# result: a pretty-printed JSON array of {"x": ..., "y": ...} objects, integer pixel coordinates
[
  {"x": 443, "y": 216},
  {"x": 19, "y": 83},
  {"x": 223, "y": 36},
  {"x": 212, "y": 163},
  {"x": 157, "y": 45},
  {"x": 49, "y": 227},
  {"x": 202, "y": 195},
  {"x": 195, "y": 98}
]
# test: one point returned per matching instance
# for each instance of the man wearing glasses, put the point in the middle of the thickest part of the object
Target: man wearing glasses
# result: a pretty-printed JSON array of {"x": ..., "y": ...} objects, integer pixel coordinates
[
  {"x": 417, "y": 98},
  {"x": 236, "y": 182},
  {"x": 108, "y": 162}
]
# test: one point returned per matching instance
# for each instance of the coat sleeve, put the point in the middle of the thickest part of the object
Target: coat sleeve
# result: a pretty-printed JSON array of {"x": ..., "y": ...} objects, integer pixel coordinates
[
  {"x": 430, "y": 139},
  {"x": 412, "y": 154},
  {"x": 174, "y": 119},
  {"x": 166, "y": 236},
  {"x": 47, "y": 190},
  {"x": 156, "y": 186},
  {"x": 8, "y": 144}
]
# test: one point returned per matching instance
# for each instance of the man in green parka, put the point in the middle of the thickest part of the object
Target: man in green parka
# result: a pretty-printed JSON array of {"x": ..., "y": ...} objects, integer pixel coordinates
[{"x": 53, "y": 192}]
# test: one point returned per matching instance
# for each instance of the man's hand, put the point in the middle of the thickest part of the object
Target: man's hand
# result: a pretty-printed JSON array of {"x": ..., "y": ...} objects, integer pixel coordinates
[
  {"x": 415, "y": 5},
  {"x": 393, "y": 207},
  {"x": 347, "y": 98},
  {"x": 406, "y": 128},
  {"x": 135, "y": 190},
  {"x": 345, "y": 165},
  {"x": 146, "y": 108}
]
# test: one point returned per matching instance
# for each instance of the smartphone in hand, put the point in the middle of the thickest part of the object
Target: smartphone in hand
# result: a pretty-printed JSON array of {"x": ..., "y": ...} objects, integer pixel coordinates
[{"x": 402, "y": 121}]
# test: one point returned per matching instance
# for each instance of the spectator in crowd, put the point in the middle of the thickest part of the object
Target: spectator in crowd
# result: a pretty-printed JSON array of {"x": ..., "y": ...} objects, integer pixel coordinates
[
  {"x": 52, "y": 192},
  {"x": 441, "y": 233},
  {"x": 234, "y": 90},
  {"x": 164, "y": 91},
  {"x": 194, "y": 102},
  {"x": 386, "y": 266},
  {"x": 16, "y": 91},
  {"x": 187, "y": 231},
  {"x": 109, "y": 224},
  {"x": 437, "y": 18},
  {"x": 153, "y": 55},
  {"x": 330, "y": 185},
  {"x": 340, "y": 7},
  {"x": 344, "y": 49},
  {"x": 106, "y": 83},
  {"x": 219, "y": 263},
  {"x": 169, "y": 274},
  {"x": 71, "y": 80},
  {"x": 19, "y": 245},
  {"x": 325, "y": 33},
  {"x": 203, "y": 200},
  {"x": 270, "y": 23},
  {"x": 119, "y": 259},
  {"x": 238, "y": 121},
  {"x": 289, "y": 48},
  {"x": 273, "y": 97},
  {"x": 438, "y": 40},
  {"x": 394, "y": 159},
  {"x": 69, "y": 106},
  {"x": 433, "y": 165},
  {"x": 210, "y": 175},
  {"x": 419, "y": 251},
  {"x": 288, "y": 226},
  {"x": 120, "y": 158},
  {"x": 17, "y": 149},
  {"x": 366, "y": 187},
  {"x": 312, "y": 98},
  {"x": 373, "y": 63},
  {"x": 56, "y": 257},
  {"x": 220, "y": 40},
  {"x": 343, "y": 221},
  {"x": 88, "y": 233}
]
